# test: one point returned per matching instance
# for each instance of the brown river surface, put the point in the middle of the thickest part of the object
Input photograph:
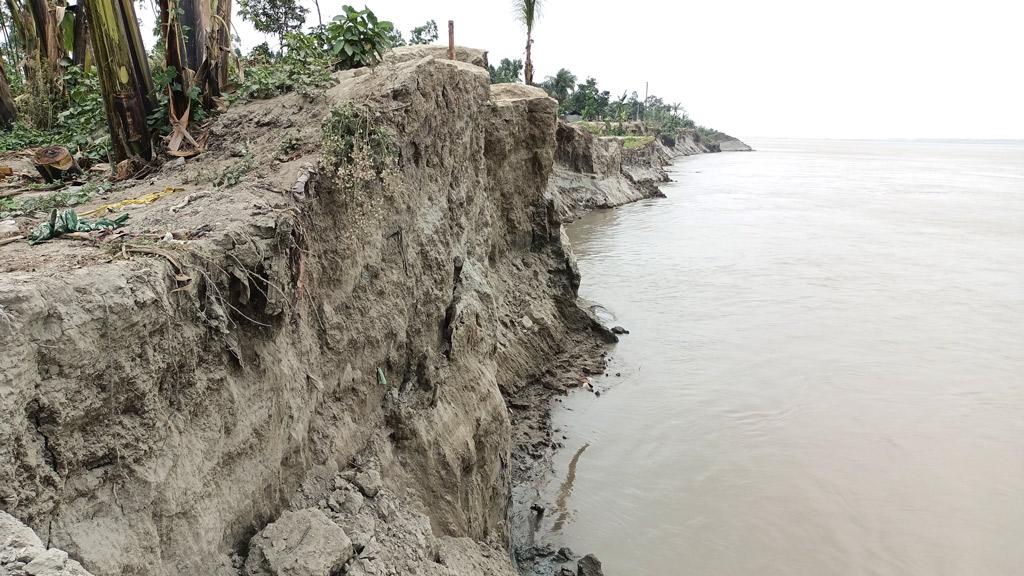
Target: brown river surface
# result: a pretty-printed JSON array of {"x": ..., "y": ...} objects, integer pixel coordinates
[{"x": 825, "y": 371}]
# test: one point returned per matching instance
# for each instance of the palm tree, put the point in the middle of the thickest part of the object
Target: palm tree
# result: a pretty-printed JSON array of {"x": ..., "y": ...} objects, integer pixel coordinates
[
  {"x": 528, "y": 11},
  {"x": 561, "y": 85}
]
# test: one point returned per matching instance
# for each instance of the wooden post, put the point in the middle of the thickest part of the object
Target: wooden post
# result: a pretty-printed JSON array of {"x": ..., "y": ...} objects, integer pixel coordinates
[{"x": 451, "y": 39}]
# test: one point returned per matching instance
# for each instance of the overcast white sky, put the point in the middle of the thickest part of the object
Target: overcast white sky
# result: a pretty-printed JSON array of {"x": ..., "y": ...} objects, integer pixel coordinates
[{"x": 754, "y": 68}]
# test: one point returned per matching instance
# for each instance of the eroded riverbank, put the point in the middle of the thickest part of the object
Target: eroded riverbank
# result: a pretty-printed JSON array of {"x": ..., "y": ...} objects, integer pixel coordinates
[{"x": 590, "y": 173}]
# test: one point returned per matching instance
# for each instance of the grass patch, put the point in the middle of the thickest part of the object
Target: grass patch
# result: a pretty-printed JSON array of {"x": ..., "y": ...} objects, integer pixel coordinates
[
  {"x": 635, "y": 142},
  {"x": 230, "y": 177}
]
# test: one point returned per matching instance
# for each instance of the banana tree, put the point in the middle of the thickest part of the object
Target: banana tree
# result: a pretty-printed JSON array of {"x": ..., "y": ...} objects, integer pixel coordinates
[
  {"x": 124, "y": 76},
  {"x": 8, "y": 110},
  {"x": 47, "y": 17},
  {"x": 206, "y": 32},
  {"x": 81, "y": 47}
]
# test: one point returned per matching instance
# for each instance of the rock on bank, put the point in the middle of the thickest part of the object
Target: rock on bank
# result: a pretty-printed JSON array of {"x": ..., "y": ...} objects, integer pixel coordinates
[{"x": 311, "y": 313}]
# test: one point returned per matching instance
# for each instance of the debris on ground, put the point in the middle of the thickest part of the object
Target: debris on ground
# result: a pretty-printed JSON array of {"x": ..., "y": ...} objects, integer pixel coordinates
[
  {"x": 23, "y": 553},
  {"x": 188, "y": 199},
  {"x": 144, "y": 199},
  {"x": 302, "y": 543},
  {"x": 67, "y": 222}
]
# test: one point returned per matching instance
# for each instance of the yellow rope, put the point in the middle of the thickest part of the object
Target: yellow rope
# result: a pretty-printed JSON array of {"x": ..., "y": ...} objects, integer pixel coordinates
[{"x": 144, "y": 199}]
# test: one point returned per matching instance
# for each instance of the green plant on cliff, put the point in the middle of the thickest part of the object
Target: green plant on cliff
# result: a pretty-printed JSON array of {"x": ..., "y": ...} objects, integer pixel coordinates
[
  {"x": 419, "y": 35},
  {"x": 357, "y": 148},
  {"x": 708, "y": 134},
  {"x": 588, "y": 101},
  {"x": 424, "y": 34},
  {"x": 595, "y": 105},
  {"x": 635, "y": 142}
]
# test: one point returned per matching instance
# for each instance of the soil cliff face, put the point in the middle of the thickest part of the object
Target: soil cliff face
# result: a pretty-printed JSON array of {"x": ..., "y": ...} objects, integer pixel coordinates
[
  {"x": 326, "y": 337},
  {"x": 601, "y": 172}
]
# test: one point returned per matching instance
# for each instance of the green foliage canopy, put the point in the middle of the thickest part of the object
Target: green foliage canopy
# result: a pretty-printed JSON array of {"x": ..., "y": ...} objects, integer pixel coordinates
[
  {"x": 507, "y": 71},
  {"x": 424, "y": 34},
  {"x": 357, "y": 38},
  {"x": 274, "y": 16}
]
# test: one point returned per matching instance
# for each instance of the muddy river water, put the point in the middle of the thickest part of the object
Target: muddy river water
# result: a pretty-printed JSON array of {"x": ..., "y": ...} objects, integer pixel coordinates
[{"x": 825, "y": 371}]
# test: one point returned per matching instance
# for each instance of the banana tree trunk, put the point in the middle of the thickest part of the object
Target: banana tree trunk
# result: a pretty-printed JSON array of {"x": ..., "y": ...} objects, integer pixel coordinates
[
  {"x": 25, "y": 29},
  {"x": 207, "y": 44},
  {"x": 81, "y": 52},
  {"x": 221, "y": 42},
  {"x": 46, "y": 17},
  {"x": 176, "y": 55},
  {"x": 124, "y": 76},
  {"x": 196, "y": 16},
  {"x": 8, "y": 110},
  {"x": 212, "y": 63}
]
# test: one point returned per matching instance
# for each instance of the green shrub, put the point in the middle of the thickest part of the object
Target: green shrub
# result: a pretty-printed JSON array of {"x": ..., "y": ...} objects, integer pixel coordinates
[
  {"x": 424, "y": 34},
  {"x": 81, "y": 126},
  {"x": 304, "y": 68},
  {"x": 507, "y": 72},
  {"x": 357, "y": 38}
]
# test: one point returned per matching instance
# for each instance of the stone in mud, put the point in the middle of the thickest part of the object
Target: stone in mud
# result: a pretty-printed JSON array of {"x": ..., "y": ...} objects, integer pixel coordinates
[
  {"x": 14, "y": 534},
  {"x": 353, "y": 502},
  {"x": 303, "y": 543},
  {"x": 49, "y": 562},
  {"x": 369, "y": 482},
  {"x": 9, "y": 228},
  {"x": 336, "y": 501},
  {"x": 619, "y": 330},
  {"x": 22, "y": 552},
  {"x": 589, "y": 565}
]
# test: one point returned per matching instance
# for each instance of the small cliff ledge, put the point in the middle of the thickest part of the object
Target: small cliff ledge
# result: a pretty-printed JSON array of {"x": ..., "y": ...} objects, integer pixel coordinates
[{"x": 593, "y": 172}]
